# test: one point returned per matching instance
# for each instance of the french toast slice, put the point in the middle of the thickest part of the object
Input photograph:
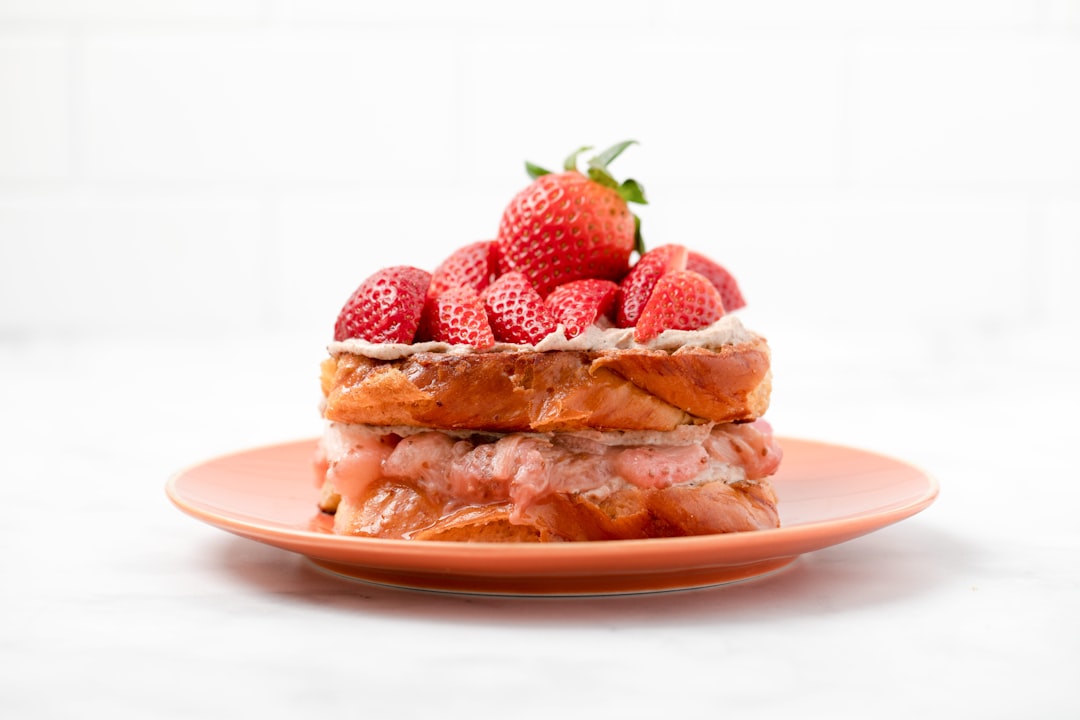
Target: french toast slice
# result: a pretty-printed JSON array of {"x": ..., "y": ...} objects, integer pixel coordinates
[{"x": 624, "y": 389}]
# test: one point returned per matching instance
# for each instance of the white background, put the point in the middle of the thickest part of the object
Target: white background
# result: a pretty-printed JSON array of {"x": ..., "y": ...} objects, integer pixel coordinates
[
  {"x": 171, "y": 167},
  {"x": 190, "y": 190}
]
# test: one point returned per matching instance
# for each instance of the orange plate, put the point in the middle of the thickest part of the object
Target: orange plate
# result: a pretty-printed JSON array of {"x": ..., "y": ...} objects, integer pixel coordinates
[{"x": 828, "y": 494}]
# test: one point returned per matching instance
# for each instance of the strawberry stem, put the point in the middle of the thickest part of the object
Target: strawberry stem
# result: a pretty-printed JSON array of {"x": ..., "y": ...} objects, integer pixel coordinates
[
  {"x": 630, "y": 190},
  {"x": 570, "y": 164}
]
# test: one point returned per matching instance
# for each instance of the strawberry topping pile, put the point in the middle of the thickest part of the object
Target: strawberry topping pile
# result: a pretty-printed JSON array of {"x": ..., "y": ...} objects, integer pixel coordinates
[{"x": 562, "y": 256}]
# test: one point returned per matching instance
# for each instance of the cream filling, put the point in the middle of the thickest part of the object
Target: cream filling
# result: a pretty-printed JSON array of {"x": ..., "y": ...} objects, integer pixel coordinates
[
  {"x": 474, "y": 468},
  {"x": 728, "y": 330}
]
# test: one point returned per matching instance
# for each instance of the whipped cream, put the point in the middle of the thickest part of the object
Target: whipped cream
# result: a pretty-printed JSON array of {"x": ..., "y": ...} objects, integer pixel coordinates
[{"x": 728, "y": 330}]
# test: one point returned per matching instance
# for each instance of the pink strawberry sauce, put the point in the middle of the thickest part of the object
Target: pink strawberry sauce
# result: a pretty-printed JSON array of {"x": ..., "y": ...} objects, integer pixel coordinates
[{"x": 459, "y": 469}]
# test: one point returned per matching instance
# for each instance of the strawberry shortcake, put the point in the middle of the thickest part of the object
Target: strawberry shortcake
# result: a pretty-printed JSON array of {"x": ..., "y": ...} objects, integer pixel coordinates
[{"x": 541, "y": 387}]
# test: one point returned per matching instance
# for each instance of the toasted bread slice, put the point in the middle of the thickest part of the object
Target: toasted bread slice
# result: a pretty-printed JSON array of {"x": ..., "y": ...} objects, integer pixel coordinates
[
  {"x": 625, "y": 389},
  {"x": 392, "y": 509}
]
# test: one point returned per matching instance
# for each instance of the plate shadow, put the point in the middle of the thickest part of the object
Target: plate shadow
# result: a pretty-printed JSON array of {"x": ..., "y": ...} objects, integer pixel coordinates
[{"x": 888, "y": 566}]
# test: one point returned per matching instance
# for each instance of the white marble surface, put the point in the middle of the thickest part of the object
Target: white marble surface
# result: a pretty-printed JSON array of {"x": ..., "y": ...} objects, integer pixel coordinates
[{"x": 115, "y": 604}]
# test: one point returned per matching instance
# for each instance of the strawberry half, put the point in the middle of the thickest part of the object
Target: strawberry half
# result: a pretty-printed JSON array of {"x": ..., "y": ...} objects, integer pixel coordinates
[
  {"x": 457, "y": 316},
  {"x": 719, "y": 277},
  {"x": 516, "y": 311},
  {"x": 580, "y": 303},
  {"x": 681, "y": 300},
  {"x": 473, "y": 265},
  {"x": 570, "y": 226},
  {"x": 386, "y": 308},
  {"x": 637, "y": 286}
]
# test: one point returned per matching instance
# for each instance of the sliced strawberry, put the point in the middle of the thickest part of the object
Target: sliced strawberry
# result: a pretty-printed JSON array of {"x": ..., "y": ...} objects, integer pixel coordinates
[
  {"x": 516, "y": 311},
  {"x": 580, "y": 303},
  {"x": 386, "y": 308},
  {"x": 719, "y": 277},
  {"x": 426, "y": 327},
  {"x": 474, "y": 265},
  {"x": 681, "y": 300},
  {"x": 457, "y": 316},
  {"x": 637, "y": 286}
]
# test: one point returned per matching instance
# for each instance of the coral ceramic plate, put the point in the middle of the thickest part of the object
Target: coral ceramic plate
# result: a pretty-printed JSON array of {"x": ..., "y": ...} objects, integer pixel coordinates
[{"x": 828, "y": 494}]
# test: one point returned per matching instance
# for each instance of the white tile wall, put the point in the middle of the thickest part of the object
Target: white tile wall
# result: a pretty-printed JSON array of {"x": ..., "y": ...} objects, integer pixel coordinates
[
  {"x": 465, "y": 15},
  {"x": 206, "y": 166},
  {"x": 1057, "y": 258},
  {"x": 979, "y": 109},
  {"x": 126, "y": 11},
  {"x": 81, "y": 261},
  {"x": 34, "y": 105},
  {"x": 260, "y": 105},
  {"x": 737, "y": 112}
]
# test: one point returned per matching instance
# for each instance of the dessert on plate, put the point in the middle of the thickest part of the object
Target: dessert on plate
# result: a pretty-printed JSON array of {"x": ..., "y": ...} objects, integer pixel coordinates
[{"x": 541, "y": 387}]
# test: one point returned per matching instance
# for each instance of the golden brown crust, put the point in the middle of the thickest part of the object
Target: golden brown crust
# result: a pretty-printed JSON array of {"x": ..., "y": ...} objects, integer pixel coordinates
[
  {"x": 551, "y": 391},
  {"x": 395, "y": 509},
  {"x": 727, "y": 385}
]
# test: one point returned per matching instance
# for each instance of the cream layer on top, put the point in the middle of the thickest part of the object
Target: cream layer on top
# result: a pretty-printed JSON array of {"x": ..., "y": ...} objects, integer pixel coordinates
[{"x": 728, "y": 330}]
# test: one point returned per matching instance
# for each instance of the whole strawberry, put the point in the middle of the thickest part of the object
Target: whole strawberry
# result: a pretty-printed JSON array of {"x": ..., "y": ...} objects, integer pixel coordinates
[
  {"x": 386, "y": 308},
  {"x": 516, "y": 311},
  {"x": 719, "y": 277},
  {"x": 681, "y": 300},
  {"x": 570, "y": 226},
  {"x": 580, "y": 303}
]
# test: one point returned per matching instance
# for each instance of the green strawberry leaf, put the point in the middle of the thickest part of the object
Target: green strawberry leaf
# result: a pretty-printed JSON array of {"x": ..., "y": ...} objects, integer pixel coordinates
[
  {"x": 639, "y": 242},
  {"x": 604, "y": 159},
  {"x": 535, "y": 171},
  {"x": 632, "y": 191}
]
